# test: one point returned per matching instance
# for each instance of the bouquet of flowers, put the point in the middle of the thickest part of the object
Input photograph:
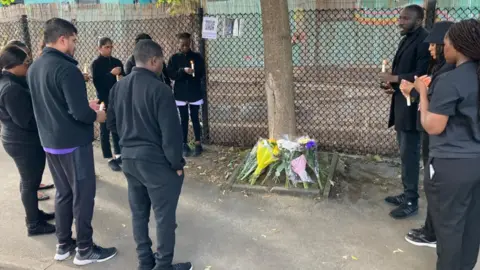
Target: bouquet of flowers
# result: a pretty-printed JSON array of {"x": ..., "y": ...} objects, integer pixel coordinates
[{"x": 296, "y": 159}]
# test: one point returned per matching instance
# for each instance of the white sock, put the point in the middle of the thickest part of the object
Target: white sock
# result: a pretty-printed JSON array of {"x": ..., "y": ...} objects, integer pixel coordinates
[{"x": 118, "y": 156}]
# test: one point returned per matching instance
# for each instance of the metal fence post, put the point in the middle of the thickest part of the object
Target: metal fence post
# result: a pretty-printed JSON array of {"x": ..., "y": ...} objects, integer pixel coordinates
[
  {"x": 202, "y": 47},
  {"x": 431, "y": 13},
  {"x": 25, "y": 31}
]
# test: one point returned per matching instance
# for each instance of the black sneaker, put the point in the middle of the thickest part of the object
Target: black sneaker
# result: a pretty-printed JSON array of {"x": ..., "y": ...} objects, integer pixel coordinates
[
  {"x": 186, "y": 150},
  {"x": 421, "y": 240},
  {"x": 420, "y": 230},
  {"x": 198, "y": 150},
  {"x": 182, "y": 266},
  {"x": 65, "y": 251},
  {"x": 405, "y": 210},
  {"x": 113, "y": 164},
  {"x": 41, "y": 228},
  {"x": 46, "y": 216},
  {"x": 396, "y": 200},
  {"x": 94, "y": 255}
]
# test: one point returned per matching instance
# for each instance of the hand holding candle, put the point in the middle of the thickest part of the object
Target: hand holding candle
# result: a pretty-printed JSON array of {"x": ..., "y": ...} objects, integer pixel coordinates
[
  {"x": 192, "y": 66},
  {"x": 102, "y": 107}
]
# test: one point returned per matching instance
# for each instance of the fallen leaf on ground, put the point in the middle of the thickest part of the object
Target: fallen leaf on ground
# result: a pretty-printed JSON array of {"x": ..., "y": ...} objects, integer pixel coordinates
[
  {"x": 397, "y": 251},
  {"x": 354, "y": 258},
  {"x": 345, "y": 257},
  {"x": 208, "y": 267},
  {"x": 377, "y": 158},
  {"x": 264, "y": 236}
]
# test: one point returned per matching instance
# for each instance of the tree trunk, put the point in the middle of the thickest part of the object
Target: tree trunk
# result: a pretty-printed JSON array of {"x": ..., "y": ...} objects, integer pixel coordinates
[{"x": 278, "y": 68}]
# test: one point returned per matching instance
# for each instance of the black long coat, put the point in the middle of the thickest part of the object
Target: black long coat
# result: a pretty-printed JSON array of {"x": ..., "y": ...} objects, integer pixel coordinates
[{"x": 412, "y": 59}]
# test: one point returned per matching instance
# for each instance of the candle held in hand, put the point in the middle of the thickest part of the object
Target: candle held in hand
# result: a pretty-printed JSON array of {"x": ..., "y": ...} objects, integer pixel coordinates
[
  {"x": 102, "y": 106},
  {"x": 384, "y": 66},
  {"x": 192, "y": 66},
  {"x": 85, "y": 69}
]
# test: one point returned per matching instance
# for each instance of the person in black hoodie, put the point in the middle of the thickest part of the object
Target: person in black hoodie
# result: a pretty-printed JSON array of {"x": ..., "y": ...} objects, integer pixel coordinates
[
  {"x": 142, "y": 111},
  {"x": 65, "y": 121},
  {"x": 130, "y": 64},
  {"x": 20, "y": 135},
  {"x": 187, "y": 69},
  {"x": 425, "y": 236},
  {"x": 106, "y": 70}
]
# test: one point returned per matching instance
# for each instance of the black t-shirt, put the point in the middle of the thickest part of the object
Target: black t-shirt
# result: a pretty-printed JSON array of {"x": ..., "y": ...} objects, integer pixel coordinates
[{"x": 456, "y": 96}]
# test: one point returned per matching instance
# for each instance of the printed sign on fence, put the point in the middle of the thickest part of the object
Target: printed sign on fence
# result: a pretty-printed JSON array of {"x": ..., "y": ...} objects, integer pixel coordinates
[{"x": 209, "y": 29}]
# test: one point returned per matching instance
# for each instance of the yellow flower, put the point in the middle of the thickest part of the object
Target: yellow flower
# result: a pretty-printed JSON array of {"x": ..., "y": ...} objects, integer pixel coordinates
[
  {"x": 265, "y": 157},
  {"x": 276, "y": 150},
  {"x": 303, "y": 140}
]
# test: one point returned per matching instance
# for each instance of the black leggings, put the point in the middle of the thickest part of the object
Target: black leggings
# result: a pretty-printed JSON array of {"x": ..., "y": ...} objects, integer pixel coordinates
[
  {"x": 194, "y": 109},
  {"x": 30, "y": 161}
]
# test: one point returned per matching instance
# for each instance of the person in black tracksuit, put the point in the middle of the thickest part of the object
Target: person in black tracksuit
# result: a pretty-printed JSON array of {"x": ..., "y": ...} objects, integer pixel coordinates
[
  {"x": 20, "y": 135},
  {"x": 130, "y": 64},
  {"x": 187, "y": 88},
  {"x": 412, "y": 59},
  {"x": 451, "y": 118},
  {"x": 425, "y": 236},
  {"x": 65, "y": 121},
  {"x": 106, "y": 70},
  {"x": 142, "y": 111}
]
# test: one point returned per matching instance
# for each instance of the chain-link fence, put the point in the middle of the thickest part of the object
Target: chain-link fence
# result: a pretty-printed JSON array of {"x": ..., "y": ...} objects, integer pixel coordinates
[{"x": 337, "y": 54}]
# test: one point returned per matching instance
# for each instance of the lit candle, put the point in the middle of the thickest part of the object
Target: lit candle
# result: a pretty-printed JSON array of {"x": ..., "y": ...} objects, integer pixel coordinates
[
  {"x": 85, "y": 69},
  {"x": 384, "y": 66},
  {"x": 193, "y": 68},
  {"x": 409, "y": 102}
]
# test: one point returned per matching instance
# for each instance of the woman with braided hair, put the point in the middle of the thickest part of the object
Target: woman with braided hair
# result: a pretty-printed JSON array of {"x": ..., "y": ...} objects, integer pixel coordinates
[{"x": 452, "y": 120}]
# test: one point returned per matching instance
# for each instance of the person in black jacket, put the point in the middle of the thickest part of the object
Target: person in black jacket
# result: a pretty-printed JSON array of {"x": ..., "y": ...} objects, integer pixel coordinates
[
  {"x": 65, "y": 120},
  {"x": 451, "y": 118},
  {"x": 142, "y": 111},
  {"x": 187, "y": 69},
  {"x": 412, "y": 59},
  {"x": 40, "y": 195},
  {"x": 20, "y": 135},
  {"x": 130, "y": 64},
  {"x": 425, "y": 236},
  {"x": 106, "y": 70}
]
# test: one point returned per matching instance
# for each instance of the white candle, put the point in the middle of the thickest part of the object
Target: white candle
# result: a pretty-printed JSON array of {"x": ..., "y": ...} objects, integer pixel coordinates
[
  {"x": 85, "y": 69},
  {"x": 102, "y": 106},
  {"x": 384, "y": 66},
  {"x": 193, "y": 68},
  {"x": 409, "y": 102}
]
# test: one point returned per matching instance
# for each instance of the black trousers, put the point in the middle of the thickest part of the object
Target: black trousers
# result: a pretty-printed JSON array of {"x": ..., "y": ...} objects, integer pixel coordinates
[
  {"x": 105, "y": 142},
  {"x": 409, "y": 143},
  {"x": 184, "y": 118},
  {"x": 30, "y": 162},
  {"x": 428, "y": 227},
  {"x": 74, "y": 178},
  {"x": 157, "y": 186},
  {"x": 453, "y": 195}
]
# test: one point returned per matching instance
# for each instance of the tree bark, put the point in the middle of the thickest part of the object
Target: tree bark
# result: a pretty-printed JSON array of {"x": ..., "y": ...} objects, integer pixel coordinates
[{"x": 278, "y": 68}]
